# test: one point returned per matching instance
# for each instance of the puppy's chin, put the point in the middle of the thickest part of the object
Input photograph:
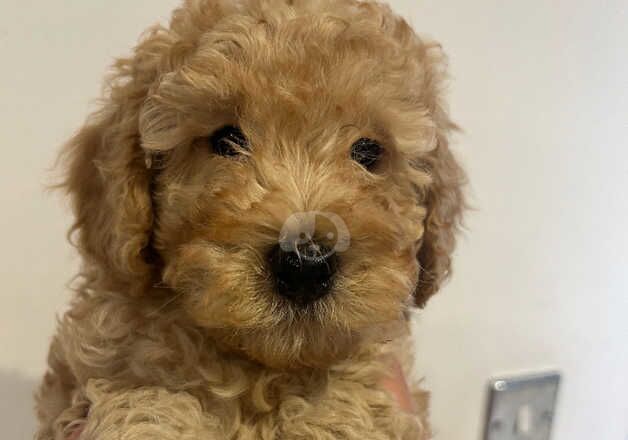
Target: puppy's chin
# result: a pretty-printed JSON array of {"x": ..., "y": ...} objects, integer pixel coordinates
[
  {"x": 287, "y": 347},
  {"x": 290, "y": 348}
]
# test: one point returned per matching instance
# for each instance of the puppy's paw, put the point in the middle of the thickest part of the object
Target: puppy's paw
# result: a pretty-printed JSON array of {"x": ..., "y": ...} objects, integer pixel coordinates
[{"x": 145, "y": 413}]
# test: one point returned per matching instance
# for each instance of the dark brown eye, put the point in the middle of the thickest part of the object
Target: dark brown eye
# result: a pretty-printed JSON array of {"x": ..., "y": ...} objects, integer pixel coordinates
[
  {"x": 228, "y": 141},
  {"x": 366, "y": 152}
]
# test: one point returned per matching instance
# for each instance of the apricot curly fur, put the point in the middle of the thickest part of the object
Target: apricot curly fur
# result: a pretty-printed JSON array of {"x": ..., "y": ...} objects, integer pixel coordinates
[{"x": 176, "y": 330}]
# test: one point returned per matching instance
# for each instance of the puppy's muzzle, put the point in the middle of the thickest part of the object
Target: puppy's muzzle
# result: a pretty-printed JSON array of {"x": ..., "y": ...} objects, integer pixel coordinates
[{"x": 304, "y": 274}]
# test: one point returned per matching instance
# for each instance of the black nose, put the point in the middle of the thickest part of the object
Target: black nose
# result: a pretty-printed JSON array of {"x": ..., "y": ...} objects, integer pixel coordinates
[{"x": 305, "y": 273}]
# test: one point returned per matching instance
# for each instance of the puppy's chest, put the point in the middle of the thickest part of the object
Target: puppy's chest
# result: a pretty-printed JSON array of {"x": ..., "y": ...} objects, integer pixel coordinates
[
  {"x": 247, "y": 400},
  {"x": 331, "y": 404},
  {"x": 241, "y": 399}
]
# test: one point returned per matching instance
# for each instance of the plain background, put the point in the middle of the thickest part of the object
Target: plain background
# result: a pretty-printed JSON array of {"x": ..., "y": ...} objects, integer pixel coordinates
[{"x": 541, "y": 91}]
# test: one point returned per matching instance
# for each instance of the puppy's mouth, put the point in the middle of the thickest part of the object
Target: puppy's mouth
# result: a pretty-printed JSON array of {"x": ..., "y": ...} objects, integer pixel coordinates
[{"x": 303, "y": 273}]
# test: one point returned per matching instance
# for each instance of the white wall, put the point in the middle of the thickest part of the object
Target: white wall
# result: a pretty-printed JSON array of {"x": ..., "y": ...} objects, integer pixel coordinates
[{"x": 540, "y": 89}]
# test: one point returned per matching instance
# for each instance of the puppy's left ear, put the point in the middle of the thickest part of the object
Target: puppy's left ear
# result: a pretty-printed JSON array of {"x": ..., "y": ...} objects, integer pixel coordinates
[
  {"x": 445, "y": 205},
  {"x": 444, "y": 196}
]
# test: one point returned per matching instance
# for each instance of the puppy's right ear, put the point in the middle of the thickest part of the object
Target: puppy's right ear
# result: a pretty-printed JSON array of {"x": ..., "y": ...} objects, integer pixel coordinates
[{"x": 107, "y": 177}]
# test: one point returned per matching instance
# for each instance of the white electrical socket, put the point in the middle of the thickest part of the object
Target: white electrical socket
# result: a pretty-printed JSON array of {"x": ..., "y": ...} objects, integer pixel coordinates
[{"x": 522, "y": 408}]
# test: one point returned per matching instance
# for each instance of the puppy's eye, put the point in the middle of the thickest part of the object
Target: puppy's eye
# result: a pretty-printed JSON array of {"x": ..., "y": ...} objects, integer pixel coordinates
[
  {"x": 366, "y": 152},
  {"x": 228, "y": 141}
]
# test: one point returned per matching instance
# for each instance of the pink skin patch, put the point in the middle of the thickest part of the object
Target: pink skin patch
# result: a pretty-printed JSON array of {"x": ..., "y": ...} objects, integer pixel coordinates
[
  {"x": 397, "y": 386},
  {"x": 76, "y": 434}
]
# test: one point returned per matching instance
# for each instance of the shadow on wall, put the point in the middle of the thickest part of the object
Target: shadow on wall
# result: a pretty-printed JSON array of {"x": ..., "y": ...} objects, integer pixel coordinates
[{"x": 17, "y": 416}]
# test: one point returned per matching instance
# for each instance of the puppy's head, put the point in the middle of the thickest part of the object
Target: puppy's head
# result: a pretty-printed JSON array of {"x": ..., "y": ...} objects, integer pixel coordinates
[{"x": 281, "y": 166}]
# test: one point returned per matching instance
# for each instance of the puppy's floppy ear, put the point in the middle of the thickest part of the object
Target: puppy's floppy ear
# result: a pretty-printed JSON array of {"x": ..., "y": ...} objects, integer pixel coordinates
[
  {"x": 443, "y": 198},
  {"x": 107, "y": 177},
  {"x": 107, "y": 174},
  {"x": 445, "y": 204}
]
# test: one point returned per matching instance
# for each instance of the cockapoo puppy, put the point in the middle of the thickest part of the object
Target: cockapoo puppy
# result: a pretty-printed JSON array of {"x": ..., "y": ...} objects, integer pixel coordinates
[{"x": 265, "y": 193}]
